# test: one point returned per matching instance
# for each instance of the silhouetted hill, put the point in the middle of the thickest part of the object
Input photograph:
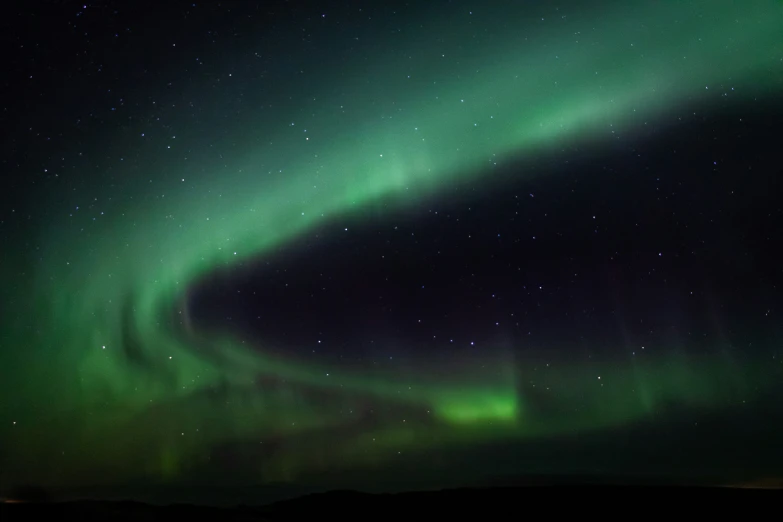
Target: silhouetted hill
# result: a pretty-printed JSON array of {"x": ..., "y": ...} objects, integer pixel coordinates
[{"x": 462, "y": 504}]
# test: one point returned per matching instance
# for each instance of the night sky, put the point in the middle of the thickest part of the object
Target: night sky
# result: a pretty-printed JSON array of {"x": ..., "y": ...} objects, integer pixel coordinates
[{"x": 380, "y": 245}]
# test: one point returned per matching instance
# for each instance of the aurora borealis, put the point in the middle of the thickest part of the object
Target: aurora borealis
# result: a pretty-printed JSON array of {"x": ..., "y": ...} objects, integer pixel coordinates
[{"x": 246, "y": 137}]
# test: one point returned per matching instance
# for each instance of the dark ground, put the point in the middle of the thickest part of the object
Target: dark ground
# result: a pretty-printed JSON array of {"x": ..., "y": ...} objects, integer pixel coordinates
[{"x": 486, "y": 504}]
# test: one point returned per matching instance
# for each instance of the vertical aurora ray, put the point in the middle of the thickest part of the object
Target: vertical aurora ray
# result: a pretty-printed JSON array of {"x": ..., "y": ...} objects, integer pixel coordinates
[{"x": 121, "y": 282}]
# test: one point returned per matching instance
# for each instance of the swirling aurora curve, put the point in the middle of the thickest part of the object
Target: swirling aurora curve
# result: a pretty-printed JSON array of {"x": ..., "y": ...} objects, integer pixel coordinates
[{"x": 112, "y": 350}]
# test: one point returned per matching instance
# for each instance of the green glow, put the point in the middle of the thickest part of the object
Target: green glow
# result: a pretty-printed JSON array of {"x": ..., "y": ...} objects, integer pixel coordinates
[
  {"x": 480, "y": 408},
  {"x": 121, "y": 281}
]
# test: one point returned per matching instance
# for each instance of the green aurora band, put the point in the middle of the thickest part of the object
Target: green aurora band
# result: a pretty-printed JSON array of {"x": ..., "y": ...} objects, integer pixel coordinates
[{"x": 388, "y": 134}]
